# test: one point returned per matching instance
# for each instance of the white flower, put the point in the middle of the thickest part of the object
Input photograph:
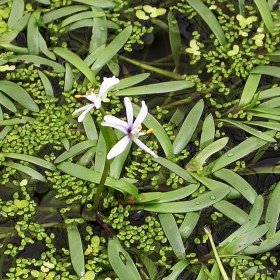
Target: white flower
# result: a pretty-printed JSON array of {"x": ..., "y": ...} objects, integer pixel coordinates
[
  {"x": 130, "y": 128},
  {"x": 106, "y": 85}
]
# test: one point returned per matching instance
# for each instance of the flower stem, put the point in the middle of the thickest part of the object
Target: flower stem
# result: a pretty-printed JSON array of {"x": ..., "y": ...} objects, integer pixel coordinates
[
  {"x": 101, "y": 185},
  {"x": 168, "y": 74},
  {"x": 217, "y": 257}
]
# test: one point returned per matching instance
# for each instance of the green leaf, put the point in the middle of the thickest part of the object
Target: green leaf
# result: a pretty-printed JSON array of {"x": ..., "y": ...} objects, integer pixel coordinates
[
  {"x": 210, "y": 19},
  {"x": 266, "y": 14},
  {"x": 250, "y": 130},
  {"x": 87, "y": 157},
  {"x": 176, "y": 270},
  {"x": 159, "y": 132},
  {"x": 174, "y": 38},
  {"x": 156, "y": 88},
  {"x": 16, "y": 12},
  {"x": 237, "y": 182},
  {"x": 111, "y": 50},
  {"x": 62, "y": 12},
  {"x": 32, "y": 159},
  {"x": 94, "y": 55},
  {"x": 46, "y": 83},
  {"x": 38, "y": 61},
  {"x": 90, "y": 128},
  {"x": 121, "y": 262},
  {"x": 80, "y": 16},
  {"x": 76, "y": 249},
  {"x": 273, "y": 211},
  {"x": 172, "y": 233},
  {"x": 188, "y": 127},
  {"x": 18, "y": 94},
  {"x": 131, "y": 81},
  {"x": 33, "y": 33},
  {"x": 188, "y": 224},
  {"x": 250, "y": 223},
  {"x": 44, "y": 48},
  {"x": 95, "y": 177},
  {"x": 5, "y": 131},
  {"x": 75, "y": 60},
  {"x": 76, "y": 149},
  {"x": 160, "y": 197},
  {"x": 241, "y": 150},
  {"x": 13, "y": 48},
  {"x": 175, "y": 168},
  {"x": 208, "y": 132},
  {"x": 230, "y": 210},
  {"x": 6, "y": 102},
  {"x": 69, "y": 77},
  {"x": 245, "y": 240},
  {"x": 269, "y": 125},
  {"x": 266, "y": 70},
  {"x": 203, "y": 201},
  {"x": 265, "y": 246},
  {"x": 99, "y": 31},
  {"x": 101, "y": 153},
  {"x": 249, "y": 89},
  {"x": 20, "y": 24},
  {"x": 200, "y": 159},
  {"x": 97, "y": 3},
  {"x": 27, "y": 170}
]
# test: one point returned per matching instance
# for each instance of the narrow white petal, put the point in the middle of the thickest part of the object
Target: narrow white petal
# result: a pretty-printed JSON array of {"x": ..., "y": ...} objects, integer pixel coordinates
[
  {"x": 115, "y": 121},
  {"x": 144, "y": 147},
  {"x": 97, "y": 103},
  {"x": 141, "y": 116},
  {"x": 82, "y": 116},
  {"x": 129, "y": 111},
  {"x": 119, "y": 147},
  {"x": 91, "y": 97},
  {"x": 107, "y": 84},
  {"x": 82, "y": 109}
]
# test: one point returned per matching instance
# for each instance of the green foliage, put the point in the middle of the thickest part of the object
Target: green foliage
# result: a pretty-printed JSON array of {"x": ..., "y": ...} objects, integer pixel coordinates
[{"x": 204, "y": 68}]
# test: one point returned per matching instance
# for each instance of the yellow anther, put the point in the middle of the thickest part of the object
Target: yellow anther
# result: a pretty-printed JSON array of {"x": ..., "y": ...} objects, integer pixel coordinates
[
  {"x": 149, "y": 131},
  {"x": 78, "y": 96},
  {"x": 140, "y": 127}
]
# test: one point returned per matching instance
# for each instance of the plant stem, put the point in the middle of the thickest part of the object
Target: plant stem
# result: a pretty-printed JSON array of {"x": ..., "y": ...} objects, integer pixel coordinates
[
  {"x": 168, "y": 74},
  {"x": 101, "y": 186},
  {"x": 217, "y": 257}
]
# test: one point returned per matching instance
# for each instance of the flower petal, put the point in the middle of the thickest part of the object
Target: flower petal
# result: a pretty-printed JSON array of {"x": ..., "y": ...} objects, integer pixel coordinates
[
  {"x": 116, "y": 123},
  {"x": 141, "y": 116},
  {"x": 107, "y": 84},
  {"x": 143, "y": 146},
  {"x": 91, "y": 97},
  {"x": 86, "y": 108},
  {"x": 119, "y": 147},
  {"x": 129, "y": 111}
]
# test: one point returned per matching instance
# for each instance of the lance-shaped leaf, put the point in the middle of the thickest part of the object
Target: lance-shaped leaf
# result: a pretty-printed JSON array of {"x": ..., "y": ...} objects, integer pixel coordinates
[
  {"x": 175, "y": 168},
  {"x": 188, "y": 127},
  {"x": 121, "y": 262},
  {"x": 47, "y": 84},
  {"x": 177, "y": 270},
  {"x": 250, "y": 130},
  {"x": 33, "y": 33},
  {"x": 6, "y": 102},
  {"x": 95, "y": 177},
  {"x": 174, "y": 38},
  {"x": 18, "y": 94},
  {"x": 188, "y": 224},
  {"x": 75, "y": 60},
  {"x": 32, "y": 159},
  {"x": 130, "y": 81},
  {"x": 249, "y": 89},
  {"x": 200, "y": 159},
  {"x": 37, "y": 60},
  {"x": 269, "y": 93},
  {"x": 265, "y": 12},
  {"x": 245, "y": 240},
  {"x": 156, "y": 88},
  {"x": 273, "y": 211},
  {"x": 250, "y": 223},
  {"x": 76, "y": 249},
  {"x": 97, "y": 3},
  {"x": 203, "y": 201},
  {"x": 112, "y": 49},
  {"x": 27, "y": 170},
  {"x": 16, "y": 13},
  {"x": 237, "y": 182},
  {"x": 210, "y": 19},
  {"x": 266, "y": 70},
  {"x": 172, "y": 233},
  {"x": 78, "y": 148},
  {"x": 244, "y": 148},
  {"x": 208, "y": 132}
]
